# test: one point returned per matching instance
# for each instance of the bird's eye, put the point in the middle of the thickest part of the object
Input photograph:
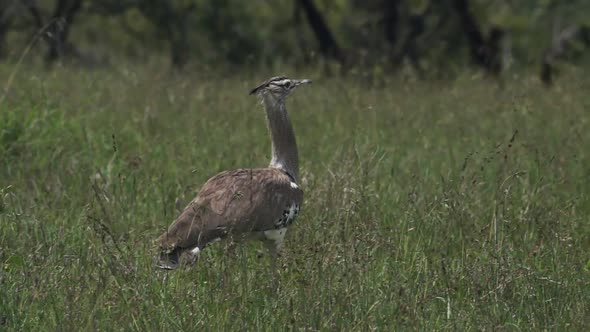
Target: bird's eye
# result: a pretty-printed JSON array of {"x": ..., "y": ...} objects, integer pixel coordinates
[{"x": 287, "y": 84}]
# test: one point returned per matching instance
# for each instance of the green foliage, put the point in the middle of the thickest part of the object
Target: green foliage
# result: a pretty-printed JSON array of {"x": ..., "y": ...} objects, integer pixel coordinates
[
  {"x": 10, "y": 133},
  {"x": 429, "y": 205},
  {"x": 216, "y": 32}
]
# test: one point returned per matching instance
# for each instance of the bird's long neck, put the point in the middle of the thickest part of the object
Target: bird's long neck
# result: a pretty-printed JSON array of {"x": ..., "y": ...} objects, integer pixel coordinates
[{"x": 284, "y": 146}]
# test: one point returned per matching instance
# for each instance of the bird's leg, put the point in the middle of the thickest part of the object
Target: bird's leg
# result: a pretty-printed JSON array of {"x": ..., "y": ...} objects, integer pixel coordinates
[
  {"x": 274, "y": 255},
  {"x": 230, "y": 246},
  {"x": 274, "y": 248}
]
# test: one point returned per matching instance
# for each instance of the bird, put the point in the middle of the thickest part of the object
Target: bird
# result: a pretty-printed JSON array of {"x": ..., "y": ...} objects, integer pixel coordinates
[{"x": 254, "y": 203}]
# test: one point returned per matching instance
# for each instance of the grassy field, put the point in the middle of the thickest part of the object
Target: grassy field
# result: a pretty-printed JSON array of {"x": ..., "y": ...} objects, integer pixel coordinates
[{"x": 447, "y": 205}]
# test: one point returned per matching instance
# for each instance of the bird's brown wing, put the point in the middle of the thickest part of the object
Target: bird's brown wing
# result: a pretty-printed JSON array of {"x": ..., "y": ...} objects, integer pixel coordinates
[{"x": 239, "y": 201}]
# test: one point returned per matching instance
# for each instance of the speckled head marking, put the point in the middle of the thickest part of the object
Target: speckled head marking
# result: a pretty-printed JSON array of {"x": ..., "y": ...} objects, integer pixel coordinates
[{"x": 279, "y": 86}]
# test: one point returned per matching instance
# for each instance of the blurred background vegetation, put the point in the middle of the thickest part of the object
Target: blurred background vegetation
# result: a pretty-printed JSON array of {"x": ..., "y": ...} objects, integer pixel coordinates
[{"x": 429, "y": 38}]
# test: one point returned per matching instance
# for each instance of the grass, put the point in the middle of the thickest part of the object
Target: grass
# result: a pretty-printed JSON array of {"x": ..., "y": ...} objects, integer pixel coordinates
[{"x": 447, "y": 205}]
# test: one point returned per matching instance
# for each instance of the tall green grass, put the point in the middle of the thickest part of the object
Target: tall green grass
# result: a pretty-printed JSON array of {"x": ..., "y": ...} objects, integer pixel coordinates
[{"x": 446, "y": 205}]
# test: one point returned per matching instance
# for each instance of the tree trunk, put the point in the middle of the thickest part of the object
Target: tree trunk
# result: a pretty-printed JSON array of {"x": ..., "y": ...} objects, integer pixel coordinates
[
  {"x": 63, "y": 17},
  {"x": 172, "y": 23},
  {"x": 4, "y": 23},
  {"x": 35, "y": 13},
  {"x": 560, "y": 45},
  {"x": 408, "y": 48},
  {"x": 56, "y": 31},
  {"x": 485, "y": 53},
  {"x": 390, "y": 21},
  {"x": 328, "y": 45},
  {"x": 178, "y": 46}
]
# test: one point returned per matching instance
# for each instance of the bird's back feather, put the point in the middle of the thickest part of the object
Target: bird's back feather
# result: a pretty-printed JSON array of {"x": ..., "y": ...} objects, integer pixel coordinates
[{"x": 233, "y": 202}]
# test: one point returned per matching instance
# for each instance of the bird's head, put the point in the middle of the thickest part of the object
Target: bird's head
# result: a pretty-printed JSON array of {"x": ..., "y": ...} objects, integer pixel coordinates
[{"x": 278, "y": 87}]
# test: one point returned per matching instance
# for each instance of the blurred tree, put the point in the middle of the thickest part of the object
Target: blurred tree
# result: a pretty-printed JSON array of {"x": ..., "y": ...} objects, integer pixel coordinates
[
  {"x": 62, "y": 19},
  {"x": 391, "y": 20},
  {"x": 237, "y": 31},
  {"x": 327, "y": 43},
  {"x": 434, "y": 37},
  {"x": 563, "y": 45},
  {"x": 168, "y": 17},
  {"x": 56, "y": 28},
  {"x": 172, "y": 23},
  {"x": 485, "y": 51},
  {"x": 5, "y": 20}
]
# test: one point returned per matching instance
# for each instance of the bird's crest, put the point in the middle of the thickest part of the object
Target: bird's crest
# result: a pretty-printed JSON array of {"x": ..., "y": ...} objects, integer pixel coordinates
[{"x": 266, "y": 83}]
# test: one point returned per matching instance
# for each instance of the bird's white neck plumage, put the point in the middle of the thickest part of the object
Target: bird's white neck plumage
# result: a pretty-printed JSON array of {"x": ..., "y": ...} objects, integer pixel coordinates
[{"x": 284, "y": 147}]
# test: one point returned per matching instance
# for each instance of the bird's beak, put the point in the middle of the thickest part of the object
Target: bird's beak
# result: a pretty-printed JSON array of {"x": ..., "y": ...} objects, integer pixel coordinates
[{"x": 300, "y": 82}]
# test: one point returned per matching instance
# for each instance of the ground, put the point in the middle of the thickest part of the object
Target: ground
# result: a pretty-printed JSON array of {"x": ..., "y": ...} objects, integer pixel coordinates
[{"x": 450, "y": 205}]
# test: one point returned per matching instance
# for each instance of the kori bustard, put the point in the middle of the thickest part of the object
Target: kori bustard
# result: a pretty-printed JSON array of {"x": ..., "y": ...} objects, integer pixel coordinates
[{"x": 258, "y": 203}]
